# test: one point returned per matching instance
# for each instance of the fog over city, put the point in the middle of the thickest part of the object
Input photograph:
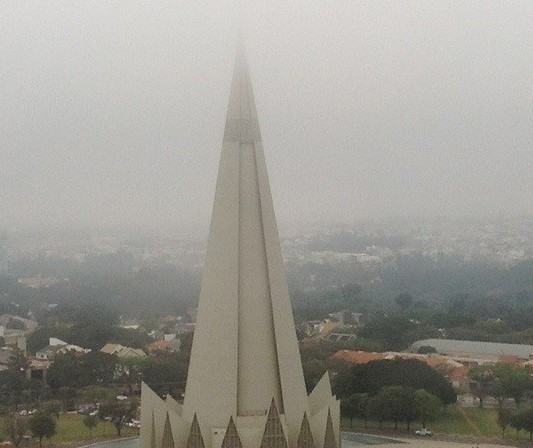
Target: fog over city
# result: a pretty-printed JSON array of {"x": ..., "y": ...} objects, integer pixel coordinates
[{"x": 112, "y": 113}]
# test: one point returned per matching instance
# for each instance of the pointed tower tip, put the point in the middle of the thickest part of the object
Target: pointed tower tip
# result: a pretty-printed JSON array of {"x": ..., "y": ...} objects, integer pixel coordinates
[{"x": 241, "y": 122}]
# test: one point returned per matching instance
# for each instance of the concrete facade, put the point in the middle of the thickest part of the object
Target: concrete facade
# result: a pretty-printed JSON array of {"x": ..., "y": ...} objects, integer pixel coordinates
[{"x": 245, "y": 385}]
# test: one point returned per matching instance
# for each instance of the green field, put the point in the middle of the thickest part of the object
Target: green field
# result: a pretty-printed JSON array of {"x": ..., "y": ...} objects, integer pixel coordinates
[
  {"x": 70, "y": 428},
  {"x": 454, "y": 420}
]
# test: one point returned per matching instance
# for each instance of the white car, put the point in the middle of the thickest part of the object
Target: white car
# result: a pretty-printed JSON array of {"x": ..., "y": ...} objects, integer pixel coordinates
[{"x": 423, "y": 432}]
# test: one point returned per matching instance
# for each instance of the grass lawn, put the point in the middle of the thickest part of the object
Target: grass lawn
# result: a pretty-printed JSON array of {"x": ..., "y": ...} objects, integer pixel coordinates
[
  {"x": 486, "y": 420},
  {"x": 70, "y": 428},
  {"x": 454, "y": 420},
  {"x": 451, "y": 421}
]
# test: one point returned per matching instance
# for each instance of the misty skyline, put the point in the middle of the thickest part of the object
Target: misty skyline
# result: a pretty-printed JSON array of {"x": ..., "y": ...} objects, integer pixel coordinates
[{"x": 112, "y": 114}]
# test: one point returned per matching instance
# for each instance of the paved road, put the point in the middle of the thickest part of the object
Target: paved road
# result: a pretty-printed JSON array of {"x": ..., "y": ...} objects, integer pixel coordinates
[
  {"x": 349, "y": 440},
  {"x": 123, "y": 443}
]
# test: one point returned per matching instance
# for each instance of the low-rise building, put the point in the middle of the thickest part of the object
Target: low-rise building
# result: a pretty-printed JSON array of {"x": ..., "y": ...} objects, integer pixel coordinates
[
  {"x": 487, "y": 351},
  {"x": 122, "y": 352},
  {"x": 164, "y": 345},
  {"x": 5, "y": 358},
  {"x": 12, "y": 322},
  {"x": 56, "y": 347}
]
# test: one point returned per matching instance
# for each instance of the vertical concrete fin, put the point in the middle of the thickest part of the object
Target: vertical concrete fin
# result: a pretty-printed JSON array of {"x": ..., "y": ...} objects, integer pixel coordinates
[
  {"x": 153, "y": 443},
  {"x": 273, "y": 436},
  {"x": 168, "y": 438},
  {"x": 321, "y": 394},
  {"x": 195, "y": 439},
  {"x": 329, "y": 438},
  {"x": 292, "y": 384},
  {"x": 231, "y": 438},
  {"x": 305, "y": 438}
]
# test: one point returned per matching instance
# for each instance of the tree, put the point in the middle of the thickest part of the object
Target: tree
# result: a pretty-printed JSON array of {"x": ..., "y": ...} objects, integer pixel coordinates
[
  {"x": 523, "y": 420},
  {"x": 52, "y": 409},
  {"x": 118, "y": 412},
  {"x": 400, "y": 404},
  {"x": 42, "y": 426},
  {"x": 370, "y": 378},
  {"x": 482, "y": 382},
  {"x": 73, "y": 371},
  {"x": 393, "y": 403},
  {"x": 427, "y": 406},
  {"x": 90, "y": 421},
  {"x": 15, "y": 324},
  {"x": 130, "y": 337},
  {"x": 13, "y": 380},
  {"x": 314, "y": 370},
  {"x": 355, "y": 406},
  {"x": 15, "y": 428},
  {"x": 497, "y": 390},
  {"x": 166, "y": 370},
  {"x": 505, "y": 418},
  {"x": 65, "y": 372},
  {"x": 426, "y": 349},
  {"x": 404, "y": 300},
  {"x": 360, "y": 405},
  {"x": 129, "y": 372},
  {"x": 517, "y": 384},
  {"x": 351, "y": 294},
  {"x": 97, "y": 394},
  {"x": 40, "y": 338},
  {"x": 349, "y": 409},
  {"x": 67, "y": 396},
  {"x": 510, "y": 381},
  {"x": 377, "y": 409},
  {"x": 392, "y": 331}
]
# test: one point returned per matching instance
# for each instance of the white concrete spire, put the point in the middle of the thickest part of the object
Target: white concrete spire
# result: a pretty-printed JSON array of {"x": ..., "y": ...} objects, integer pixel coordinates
[
  {"x": 245, "y": 352},
  {"x": 244, "y": 318}
]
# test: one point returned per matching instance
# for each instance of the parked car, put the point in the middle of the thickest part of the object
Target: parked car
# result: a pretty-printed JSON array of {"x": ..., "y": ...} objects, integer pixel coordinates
[
  {"x": 134, "y": 424},
  {"x": 423, "y": 432},
  {"x": 87, "y": 410}
]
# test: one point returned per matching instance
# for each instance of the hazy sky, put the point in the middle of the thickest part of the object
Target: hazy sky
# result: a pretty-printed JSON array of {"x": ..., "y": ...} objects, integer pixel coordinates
[{"x": 112, "y": 113}]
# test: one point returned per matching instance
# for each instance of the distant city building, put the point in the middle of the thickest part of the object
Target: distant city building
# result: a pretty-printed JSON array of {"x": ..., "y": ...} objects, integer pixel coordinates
[
  {"x": 123, "y": 352},
  {"x": 341, "y": 337},
  {"x": 10, "y": 321},
  {"x": 129, "y": 324},
  {"x": 58, "y": 347},
  {"x": 5, "y": 357},
  {"x": 165, "y": 345},
  {"x": 245, "y": 386},
  {"x": 40, "y": 282},
  {"x": 38, "y": 368},
  {"x": 494, "y": 351}
]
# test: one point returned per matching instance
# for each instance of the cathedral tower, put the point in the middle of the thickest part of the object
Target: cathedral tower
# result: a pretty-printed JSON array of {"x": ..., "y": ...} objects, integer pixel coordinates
[{"x": 245, "y": 387}]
